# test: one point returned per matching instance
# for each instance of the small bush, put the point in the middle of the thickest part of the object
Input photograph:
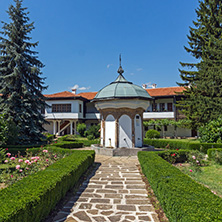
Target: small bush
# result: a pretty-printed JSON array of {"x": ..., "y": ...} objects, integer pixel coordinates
[
  {"x": 93, "y": 132},
  {"x": 215, "y": 155},
  {"x": 152, "y": 134},
  {"x": 81, "y": 128}
]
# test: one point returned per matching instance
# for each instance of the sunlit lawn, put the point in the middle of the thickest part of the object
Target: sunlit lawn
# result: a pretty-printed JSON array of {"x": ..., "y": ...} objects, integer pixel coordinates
[{"x": 210, "y": 176}]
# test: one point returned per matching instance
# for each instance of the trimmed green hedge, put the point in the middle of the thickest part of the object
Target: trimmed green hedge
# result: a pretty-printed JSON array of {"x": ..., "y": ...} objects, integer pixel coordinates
[
  {"x": 69, "y": 145},
  {"x": 211, "y": 151},
  {"x": 177, "y": 144},
  {"x": 33, "y": 197},
  {"x": 181, "y": 198}
]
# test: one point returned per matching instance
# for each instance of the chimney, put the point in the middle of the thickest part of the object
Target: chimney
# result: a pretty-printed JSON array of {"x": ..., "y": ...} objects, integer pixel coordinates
[
  {"x": 74, "y": 91},
  {"x": 144, "y": 86},
  {"x": 154, "y": 85}
]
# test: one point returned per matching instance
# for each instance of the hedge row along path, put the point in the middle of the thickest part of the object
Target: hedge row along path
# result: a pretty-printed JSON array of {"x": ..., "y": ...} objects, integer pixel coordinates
[{"x": 115, "y": 192}]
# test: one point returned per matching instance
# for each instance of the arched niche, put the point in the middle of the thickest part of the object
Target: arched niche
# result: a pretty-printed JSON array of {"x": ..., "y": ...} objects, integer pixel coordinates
[
  {"x": 138, "y": 130},
  {"x": 125, "y": 131},
  {"x": 110, "y": 131}
]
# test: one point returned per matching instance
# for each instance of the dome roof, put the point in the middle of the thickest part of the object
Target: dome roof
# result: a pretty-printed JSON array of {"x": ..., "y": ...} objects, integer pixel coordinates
[{"x": 121, "y": 89}]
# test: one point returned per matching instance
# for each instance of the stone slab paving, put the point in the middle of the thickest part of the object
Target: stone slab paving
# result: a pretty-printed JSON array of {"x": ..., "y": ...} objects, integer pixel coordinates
[{"x": 114, "y": 193}]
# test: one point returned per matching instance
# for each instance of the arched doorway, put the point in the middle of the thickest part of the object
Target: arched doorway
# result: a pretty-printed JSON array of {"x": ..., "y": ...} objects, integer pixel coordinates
[
  {"x": 110, "y": 131},
  {"x": 125, "y": 131}
]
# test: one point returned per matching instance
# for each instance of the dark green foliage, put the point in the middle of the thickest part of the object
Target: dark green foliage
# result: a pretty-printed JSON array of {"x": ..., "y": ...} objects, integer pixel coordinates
[
  {"x": 48, "y": 137},
  {"x": 203, "y": 97},
  {"x": 93, "y": 132},
  {"x": 8, "y": 131},
  {"x": 33, "y": 197},
  {"x": 68, "y": 138},
  {"x": 211, "y": 132},
  {"x": 20, "y": 83},
  {"x": 180, "y": 157},
  {"x": 152, "y": 134},
  {"x": 181, "y": 198},
  {"x": 69, "y": 144},
  {"x": 81, "y": 128},
  {"x": 215, "y": 154},
  {"x": 2, "y": 155},
  {"x": 176, "y": 144}
]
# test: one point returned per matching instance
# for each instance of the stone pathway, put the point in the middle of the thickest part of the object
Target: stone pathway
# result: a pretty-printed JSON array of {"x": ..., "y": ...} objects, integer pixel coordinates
[{"x": 114, "y": 193}]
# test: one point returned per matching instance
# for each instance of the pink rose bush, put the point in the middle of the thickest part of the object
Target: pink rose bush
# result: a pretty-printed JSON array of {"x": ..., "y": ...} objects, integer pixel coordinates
[{"x": 26, "y": 165}]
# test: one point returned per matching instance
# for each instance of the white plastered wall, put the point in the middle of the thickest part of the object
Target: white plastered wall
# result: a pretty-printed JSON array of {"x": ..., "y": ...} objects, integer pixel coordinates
[
  {"x": 125, "y": 131},
  {"x": 110, "y": 131},
  {"x": 138, "y": 131}
]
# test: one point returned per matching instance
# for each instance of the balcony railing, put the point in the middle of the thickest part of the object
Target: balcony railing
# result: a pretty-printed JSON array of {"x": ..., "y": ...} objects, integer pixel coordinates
[
  {"x": 158, "y": 115},
  {"x": 61, "y": 116}
]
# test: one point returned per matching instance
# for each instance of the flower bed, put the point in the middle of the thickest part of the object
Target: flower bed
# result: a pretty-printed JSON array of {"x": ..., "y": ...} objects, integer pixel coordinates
[
  {"x": 181, "y": 198},
  {"x": 33, "y": 197},
  {"x": 19, "y": 166}
]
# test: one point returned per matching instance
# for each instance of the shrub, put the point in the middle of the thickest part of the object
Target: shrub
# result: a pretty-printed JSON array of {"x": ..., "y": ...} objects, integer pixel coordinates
[
  {"x": 2, "y": 155},
  {"x": 69, "y": 144},
  {"x": 93, "y": 132},
  {"x": 215, "y": 154},
  {"x": 152, "y": 134},
  {"x": 68, "y": 138},
  {"x": 48, "y": 137},
  {"x": 181, "y": 198},
  {"x": 177, "y": 144},
  {"x": 211, "y": 132},
  {"x": 81, "y": 128},
  {"x": 33, "y": 197}
]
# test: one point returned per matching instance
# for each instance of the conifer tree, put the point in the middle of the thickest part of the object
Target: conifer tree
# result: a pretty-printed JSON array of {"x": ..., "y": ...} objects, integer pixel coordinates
[
  {"x": 203, "y": 79},
  {"x": 20, "y": 83}
]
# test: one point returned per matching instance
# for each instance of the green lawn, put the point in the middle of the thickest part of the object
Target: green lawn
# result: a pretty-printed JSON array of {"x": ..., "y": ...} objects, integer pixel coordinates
[{"x": 210, "y": 176}]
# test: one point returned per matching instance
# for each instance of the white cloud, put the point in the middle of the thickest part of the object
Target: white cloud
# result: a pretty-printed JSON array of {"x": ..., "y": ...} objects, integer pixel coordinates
[
  {"x": 80, "y": 88},
  {"x": 139, "y": 69},
  {"x": 109, "y": 65},
  {"x": 84, "y": 88},
  {"x": 132, "y": 74},
  {"x": 75, "y": 87}
]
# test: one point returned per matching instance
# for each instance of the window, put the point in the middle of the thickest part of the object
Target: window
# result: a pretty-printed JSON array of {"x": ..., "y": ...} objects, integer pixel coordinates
[
  {"x": 61, "y": 108},
  {"x": 154, "y": 107},
  {"x": 162, "y": 107},
  {"x": 80, "y": 108},
  {"x": 170, "y": 107}
]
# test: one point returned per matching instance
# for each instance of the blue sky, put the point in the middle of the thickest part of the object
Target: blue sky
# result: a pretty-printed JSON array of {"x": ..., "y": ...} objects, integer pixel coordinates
[{"x": 80, "y": 40}]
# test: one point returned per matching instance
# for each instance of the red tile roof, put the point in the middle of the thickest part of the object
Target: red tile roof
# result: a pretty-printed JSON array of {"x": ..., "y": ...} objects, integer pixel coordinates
[
  {"x": 167, "y": 91},
  {"x": 65, "y": 94},
  {"x": 88, "y": 95}
]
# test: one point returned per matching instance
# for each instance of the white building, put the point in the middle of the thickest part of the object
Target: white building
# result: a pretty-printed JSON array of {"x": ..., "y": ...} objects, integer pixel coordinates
[{"x": 67, "y": 109}]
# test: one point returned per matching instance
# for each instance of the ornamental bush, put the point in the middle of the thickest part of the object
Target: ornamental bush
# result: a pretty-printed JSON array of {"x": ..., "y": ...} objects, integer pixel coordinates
[
  {"x": 181, "y": 198},
  {"x": 81, "y": 128},
  {"x": 152, "y": 134},
  {"x": 211, "y": 132}
]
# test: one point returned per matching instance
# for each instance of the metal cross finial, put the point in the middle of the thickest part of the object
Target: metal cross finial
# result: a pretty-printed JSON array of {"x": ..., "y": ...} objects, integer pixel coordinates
[
  {"x": 120, "y": 70},
  {"x": 120, "y": 59}
]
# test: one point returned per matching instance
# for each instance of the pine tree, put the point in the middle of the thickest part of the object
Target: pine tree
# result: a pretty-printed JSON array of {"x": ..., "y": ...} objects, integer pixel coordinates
[
  {"x": 203, "y": 79},
  {"x": 20, "y": 83}
]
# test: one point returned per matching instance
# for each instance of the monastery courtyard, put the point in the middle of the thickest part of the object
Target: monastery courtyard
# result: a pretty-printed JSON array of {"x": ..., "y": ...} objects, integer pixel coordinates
[{"x": 114, "y": 192}]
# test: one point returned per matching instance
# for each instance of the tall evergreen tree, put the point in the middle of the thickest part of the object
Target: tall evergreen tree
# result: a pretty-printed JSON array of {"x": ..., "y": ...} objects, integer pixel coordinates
[
  {"x": 20, "y": 83},
  {"x": 203, "y": 79}
]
